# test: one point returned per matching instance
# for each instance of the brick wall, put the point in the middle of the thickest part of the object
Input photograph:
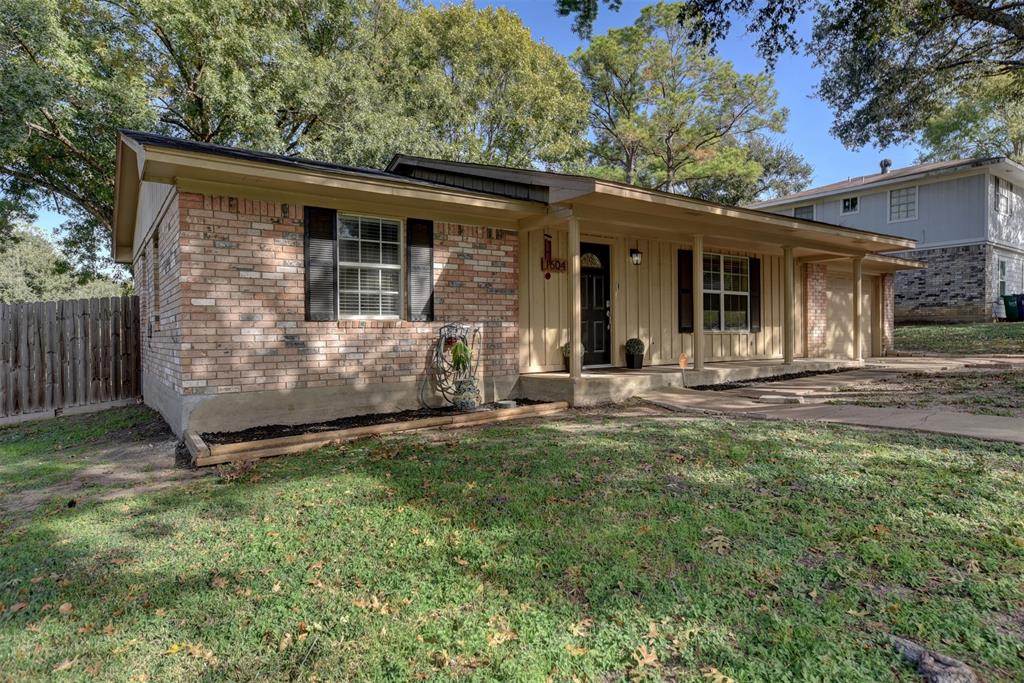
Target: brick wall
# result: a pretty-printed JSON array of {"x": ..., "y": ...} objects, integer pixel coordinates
[
  {"x": 816, "y": 296},
  {"x": 156, "y": 269},
  {"x": 243, "y": 324},
  {"x": 953, "y": 288}
]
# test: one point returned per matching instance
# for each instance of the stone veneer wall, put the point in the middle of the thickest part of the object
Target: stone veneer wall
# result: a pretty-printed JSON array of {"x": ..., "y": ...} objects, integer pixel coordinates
[
  {"x": 953, "y": 288},
  {"x": 816, "y": 296},
  {"x": 248, "y": 356}
]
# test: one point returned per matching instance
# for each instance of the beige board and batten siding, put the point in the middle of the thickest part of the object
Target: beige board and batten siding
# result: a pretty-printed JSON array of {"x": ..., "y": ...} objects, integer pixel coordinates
[
  {"x": 644, "y": 304},
  {"x": 839, "y": 315}
]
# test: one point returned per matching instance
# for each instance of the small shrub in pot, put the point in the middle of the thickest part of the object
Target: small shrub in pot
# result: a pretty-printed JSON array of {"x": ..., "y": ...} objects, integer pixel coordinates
[{"x": 634, "y": 353}]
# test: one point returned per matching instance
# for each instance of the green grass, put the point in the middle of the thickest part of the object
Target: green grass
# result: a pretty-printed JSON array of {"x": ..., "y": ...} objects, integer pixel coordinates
[
  {"x": 35, "y": 454},
  {"x": 977, "y": 392},
  {"x": 768, "y": 551},
  {"x": 974, "y": 338}
]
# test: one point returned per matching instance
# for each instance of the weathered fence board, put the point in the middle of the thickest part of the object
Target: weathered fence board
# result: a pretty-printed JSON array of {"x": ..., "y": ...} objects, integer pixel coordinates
[{"x": 60, "y": 354}]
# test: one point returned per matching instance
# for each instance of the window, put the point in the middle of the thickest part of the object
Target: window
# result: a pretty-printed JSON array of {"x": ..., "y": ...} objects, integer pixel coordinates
[
  {"x": 369, "y": 267},
  {"x": 726, "y": 292},
  {"x": 155, "y": 282},
  {"x": 1002, "y": 277},
  {"x": 804, "y": 212},
  {"x": 850, "y": 205},
  {"x": 1004, "y": 196},
  {"x": 903, "y": 204}
]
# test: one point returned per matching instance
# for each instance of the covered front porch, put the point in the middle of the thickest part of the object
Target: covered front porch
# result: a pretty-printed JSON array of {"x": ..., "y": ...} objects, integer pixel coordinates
[
  {"x": 729, "y": 289},
  {"x": 595, "y": 386}
]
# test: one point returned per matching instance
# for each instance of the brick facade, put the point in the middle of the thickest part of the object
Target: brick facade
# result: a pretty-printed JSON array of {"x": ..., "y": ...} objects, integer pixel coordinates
[
  {"x": 232, "y": 306},
  {"x": 955, "y": 287},
  {"x": 816, "y": 296},
  {"x": 158, "y": 282}
]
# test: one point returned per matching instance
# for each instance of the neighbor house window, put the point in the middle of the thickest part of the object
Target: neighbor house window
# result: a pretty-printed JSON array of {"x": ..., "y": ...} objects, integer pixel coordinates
[
  {"x": 1002, "y": 277},
  {"x": 903, "y": 204},
  {"x": 804, "y": 212},
  {"x": 369, "y": 267},
  {"x": 850, "y": 205},
  {"x": 726, "y": 292},
  {"x": 1004, "y": 196}
]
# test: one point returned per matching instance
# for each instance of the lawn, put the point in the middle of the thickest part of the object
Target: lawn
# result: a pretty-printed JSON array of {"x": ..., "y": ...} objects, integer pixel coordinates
[
  {"x": 973, "y": 338},
  {"x": 979, "y": 392},
  {"x": 597, "y": 546}
]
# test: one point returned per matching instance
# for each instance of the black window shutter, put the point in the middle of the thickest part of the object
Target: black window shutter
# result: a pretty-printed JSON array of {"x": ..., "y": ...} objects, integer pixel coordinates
[
  {"x": 685, "y": 271},
  {"x": 419, "y": 244},
  {"x": 321, "y": 256},
  {"x": 755, "y": 294}
]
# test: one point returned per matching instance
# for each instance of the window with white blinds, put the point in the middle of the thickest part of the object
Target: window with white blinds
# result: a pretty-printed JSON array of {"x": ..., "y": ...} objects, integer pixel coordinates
[{"x": 369, "y": 267}]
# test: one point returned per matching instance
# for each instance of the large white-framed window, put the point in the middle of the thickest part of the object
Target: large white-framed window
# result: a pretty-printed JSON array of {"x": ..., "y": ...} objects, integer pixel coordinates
[
  {"x": 903, "y": 204},
  {"x": 726, "y": 293},
  {"x": 369, "y": 267},
  {"x": 848, "y": 205},
  {"x": 1003, "y": 196},
  {"x": 806, "y": 212},
  {"x": 1002, "y": 277}
]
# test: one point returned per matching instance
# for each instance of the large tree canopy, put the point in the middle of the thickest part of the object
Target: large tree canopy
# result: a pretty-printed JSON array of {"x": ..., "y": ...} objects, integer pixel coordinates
[
  {"x": 667, "y": 115},
  {"x": 889, "y": 67},
  {"x": 987, "y": 121},
  {"x": 351, "y": 81}
]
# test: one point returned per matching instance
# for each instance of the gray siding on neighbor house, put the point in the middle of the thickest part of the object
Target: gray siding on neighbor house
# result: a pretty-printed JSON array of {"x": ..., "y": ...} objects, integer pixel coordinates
[{"x": 948, "y": 211}]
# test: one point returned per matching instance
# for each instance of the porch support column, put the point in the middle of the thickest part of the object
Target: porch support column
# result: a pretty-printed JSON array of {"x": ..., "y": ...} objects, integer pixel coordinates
[
  {"x": 575, "y": 306},
  {"x": 788, "y": 305},
  {"x": 858, "y": 289},
  {"x": 698, "y": 302}
]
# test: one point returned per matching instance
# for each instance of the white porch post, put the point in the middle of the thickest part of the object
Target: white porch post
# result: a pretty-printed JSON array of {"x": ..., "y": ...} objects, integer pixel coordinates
[
  {"x": 858, "y": 332},
  {"x": 698, "y": 302},
  {"x": 575, "y": 307},
  {"x": 789, "y": 303}
]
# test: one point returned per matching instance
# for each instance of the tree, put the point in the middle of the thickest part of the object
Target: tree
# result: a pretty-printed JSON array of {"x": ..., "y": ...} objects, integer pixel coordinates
[
  {"x": 889, "y": 67},
  {"x": 782, "y": 172},
  {"x": 987, "y": 121},
  {"x": 350, "y": 81},
  {"x": 668, "y": 115},
  {"x": 31, "y": 269}
]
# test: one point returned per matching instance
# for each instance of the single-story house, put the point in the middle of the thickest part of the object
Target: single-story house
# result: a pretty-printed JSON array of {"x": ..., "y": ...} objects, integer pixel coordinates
[{"x": 282, "y": 290}]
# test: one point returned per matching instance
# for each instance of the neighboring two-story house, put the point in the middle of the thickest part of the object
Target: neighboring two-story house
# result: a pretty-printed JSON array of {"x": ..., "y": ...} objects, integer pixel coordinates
[{"x": 967, "y": 218}]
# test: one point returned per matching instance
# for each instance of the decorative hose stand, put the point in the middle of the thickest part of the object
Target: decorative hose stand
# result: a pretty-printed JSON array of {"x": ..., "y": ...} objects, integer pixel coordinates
[{"x": 456, "y": 383}]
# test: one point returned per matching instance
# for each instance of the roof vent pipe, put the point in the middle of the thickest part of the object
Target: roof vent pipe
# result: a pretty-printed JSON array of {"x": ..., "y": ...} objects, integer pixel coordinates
[{"x": 885, "y": 165}]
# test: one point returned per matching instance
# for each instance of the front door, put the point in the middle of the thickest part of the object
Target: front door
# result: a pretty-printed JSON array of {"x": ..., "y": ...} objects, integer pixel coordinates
[{"x": 595, "y": 299}]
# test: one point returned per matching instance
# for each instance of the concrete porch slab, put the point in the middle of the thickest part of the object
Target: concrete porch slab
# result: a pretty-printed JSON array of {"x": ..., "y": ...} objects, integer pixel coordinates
[{"x": 614, "y": 385}]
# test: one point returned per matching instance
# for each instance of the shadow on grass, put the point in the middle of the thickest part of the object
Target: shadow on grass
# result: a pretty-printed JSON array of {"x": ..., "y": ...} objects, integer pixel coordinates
[{"x": 755, "y": 548}]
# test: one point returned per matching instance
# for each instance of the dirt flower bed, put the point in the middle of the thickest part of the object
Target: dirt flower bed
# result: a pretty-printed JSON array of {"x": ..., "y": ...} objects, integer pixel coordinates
[
  {"x": 980, "y": 392},
  {"x": 275, "y": 431}
]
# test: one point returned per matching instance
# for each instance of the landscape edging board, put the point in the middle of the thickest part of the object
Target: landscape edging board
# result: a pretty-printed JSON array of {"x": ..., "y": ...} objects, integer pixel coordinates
[{"x": 204, "y": 454}]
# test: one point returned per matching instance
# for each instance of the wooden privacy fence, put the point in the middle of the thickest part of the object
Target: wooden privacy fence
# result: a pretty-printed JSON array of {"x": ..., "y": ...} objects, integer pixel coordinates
[{"x": 75, "y": 354}]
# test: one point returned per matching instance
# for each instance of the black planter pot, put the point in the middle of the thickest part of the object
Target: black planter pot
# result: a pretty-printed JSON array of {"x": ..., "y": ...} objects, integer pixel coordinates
[
  {"x": 634, "y": 361},
  {"x": 565, "y": 362}
]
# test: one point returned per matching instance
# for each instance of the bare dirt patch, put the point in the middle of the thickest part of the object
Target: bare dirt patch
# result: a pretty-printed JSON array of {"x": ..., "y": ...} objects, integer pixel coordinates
[
  {"x": 122, "y": 462},
  {"x": 979, "y": 391}
]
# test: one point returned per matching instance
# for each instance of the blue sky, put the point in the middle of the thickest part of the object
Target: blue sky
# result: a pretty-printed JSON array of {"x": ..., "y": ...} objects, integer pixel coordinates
[{"x": 795, "y": 78}]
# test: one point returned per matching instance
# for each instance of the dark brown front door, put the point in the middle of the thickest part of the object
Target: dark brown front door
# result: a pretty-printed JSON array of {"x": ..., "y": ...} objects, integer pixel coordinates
[{"x": 595, "y": 298}]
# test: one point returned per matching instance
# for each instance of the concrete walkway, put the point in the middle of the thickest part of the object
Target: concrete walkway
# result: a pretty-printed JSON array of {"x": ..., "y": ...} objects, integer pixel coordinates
[{"x": 804, "y": 399}]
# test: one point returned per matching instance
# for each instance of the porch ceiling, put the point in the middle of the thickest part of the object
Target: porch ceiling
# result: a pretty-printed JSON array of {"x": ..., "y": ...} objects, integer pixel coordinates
[{"x": 615, "y": 209}]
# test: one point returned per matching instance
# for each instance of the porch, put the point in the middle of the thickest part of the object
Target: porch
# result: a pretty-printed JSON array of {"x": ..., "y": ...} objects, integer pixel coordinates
[{"x": 611, "y": 385}]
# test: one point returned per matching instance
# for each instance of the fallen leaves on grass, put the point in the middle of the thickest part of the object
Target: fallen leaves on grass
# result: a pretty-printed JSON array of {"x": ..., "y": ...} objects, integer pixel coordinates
[
  {"x": 582, "y": 628},
  {"x": 66, "y": 608},
  {"x": 720, "y": 545},
  {"x": 502, "y": 632},
  {"x": 645, "y": 657},
  {"x": 715, "y": 676}
]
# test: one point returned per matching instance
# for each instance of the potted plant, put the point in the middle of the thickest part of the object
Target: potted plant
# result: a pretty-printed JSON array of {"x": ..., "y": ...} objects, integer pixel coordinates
[
  {"x": 467, "y": 394},
  {"x": 634, "y": 354}
]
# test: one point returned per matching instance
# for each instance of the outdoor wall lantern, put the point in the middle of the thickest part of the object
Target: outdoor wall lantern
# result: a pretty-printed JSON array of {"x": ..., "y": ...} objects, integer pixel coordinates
[{"x": 636, "y": 256}]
